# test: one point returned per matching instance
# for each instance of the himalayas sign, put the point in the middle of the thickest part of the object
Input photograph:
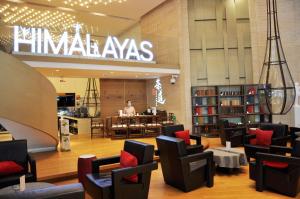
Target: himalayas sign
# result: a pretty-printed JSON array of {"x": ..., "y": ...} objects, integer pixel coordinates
[{"x": 39, "y": 41}]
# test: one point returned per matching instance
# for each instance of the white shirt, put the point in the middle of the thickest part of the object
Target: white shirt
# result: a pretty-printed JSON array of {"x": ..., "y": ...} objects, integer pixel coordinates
[{"x": 130, "y": 111}]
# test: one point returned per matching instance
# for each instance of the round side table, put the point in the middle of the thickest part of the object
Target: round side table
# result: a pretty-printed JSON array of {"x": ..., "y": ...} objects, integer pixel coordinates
[{"x": 84, "y": 166}]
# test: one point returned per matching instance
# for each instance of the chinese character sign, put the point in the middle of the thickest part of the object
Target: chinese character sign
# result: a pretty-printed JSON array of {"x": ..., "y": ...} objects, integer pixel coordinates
[{"x": 159, "y": 99}]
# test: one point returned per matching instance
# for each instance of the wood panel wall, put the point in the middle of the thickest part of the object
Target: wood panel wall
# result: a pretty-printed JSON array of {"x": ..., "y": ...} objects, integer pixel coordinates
[
  {"x": 220, "y": 43},
  {"x": 115, "y": 92},
  {"x": 160, "y": 26}
]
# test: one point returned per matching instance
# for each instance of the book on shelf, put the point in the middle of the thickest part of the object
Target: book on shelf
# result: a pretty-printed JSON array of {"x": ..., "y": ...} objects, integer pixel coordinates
[
  {"x": 250, "y": 109},
  {"x": 210, "y": 110}
]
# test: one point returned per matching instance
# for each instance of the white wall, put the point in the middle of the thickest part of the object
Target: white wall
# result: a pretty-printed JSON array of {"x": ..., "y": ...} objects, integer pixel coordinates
[{"x": 73, "y": 85}]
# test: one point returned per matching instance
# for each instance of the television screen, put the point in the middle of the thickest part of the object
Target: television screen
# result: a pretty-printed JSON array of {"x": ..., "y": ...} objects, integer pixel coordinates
[{"x": 66, "y": 100}]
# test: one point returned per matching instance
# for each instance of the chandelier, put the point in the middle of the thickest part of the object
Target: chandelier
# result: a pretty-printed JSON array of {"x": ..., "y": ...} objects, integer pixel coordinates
[
  {"x": 277, "y": 89},
  {"x": 89, "y": 3}
]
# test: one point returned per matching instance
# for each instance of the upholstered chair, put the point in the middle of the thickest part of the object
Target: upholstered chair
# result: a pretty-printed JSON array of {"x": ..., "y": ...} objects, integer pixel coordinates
[
  {"x": 15, "y": 151},
  {"x": 114, "y": 185},
  {"x": 191, "y": 149},
  {"x": 181, "y": 170}
]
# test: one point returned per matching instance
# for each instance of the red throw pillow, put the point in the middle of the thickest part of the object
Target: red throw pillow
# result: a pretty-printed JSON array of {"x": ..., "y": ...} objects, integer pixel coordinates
[
  {"x": 277, "y": 165},
  {"x": 185, "y": 135},
  {"x": 9, "y": 167},
  {"x": 129, "y": 160},
  {"x": 252, "y": 131},
  {"x": 263, "y": 138}
]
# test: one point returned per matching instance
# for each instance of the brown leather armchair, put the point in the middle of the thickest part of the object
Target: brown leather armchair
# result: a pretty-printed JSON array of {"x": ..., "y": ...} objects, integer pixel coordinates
[
  {"x": 282, "y": 180},
  {"x": 181, "y": 170},
  {"x": 113, "y": 186},
  {"x": 191, "y": 149},
  {"x": 16, "y": 150}
]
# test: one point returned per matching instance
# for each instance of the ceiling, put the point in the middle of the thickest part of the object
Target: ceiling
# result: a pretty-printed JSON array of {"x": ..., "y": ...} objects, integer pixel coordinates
[
  {"x": 49, "y": 72},
  {"x": 100, "y": 20}
]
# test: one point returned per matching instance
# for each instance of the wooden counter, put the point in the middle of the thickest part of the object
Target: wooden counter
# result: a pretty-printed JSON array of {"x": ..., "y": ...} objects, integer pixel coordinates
[{"x": 134, "y": 126}]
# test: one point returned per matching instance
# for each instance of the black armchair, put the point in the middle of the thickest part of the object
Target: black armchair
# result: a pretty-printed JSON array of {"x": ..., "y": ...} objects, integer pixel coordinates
[
  {"x": 191, "y": 149},
  {"x": 233, "y": 135},
  {"x": 294, "y": 133},
  {"x": 113, "y": 186},
  {"x": 280, "y": 137},
  {"x": 183, "y": 171},
  {"x": 282, "y": 180},
  {"x": 16, "y": 151}
]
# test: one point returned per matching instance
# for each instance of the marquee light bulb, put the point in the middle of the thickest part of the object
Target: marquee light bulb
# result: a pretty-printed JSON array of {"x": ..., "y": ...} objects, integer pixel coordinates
[{"x": 33, "y": 17}]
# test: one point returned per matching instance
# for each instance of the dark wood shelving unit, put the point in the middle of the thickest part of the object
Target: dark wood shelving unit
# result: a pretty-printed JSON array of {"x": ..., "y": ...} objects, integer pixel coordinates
[
  {"x": 209, "y": 115},
  {"x": 239, "y": 104},
  {"x": 205, "y": 96},
  {"x": 205, "y": 105}
]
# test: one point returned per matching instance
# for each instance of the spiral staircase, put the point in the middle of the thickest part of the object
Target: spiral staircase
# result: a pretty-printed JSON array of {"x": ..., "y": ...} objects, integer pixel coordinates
[{"x": 27, "y": 104}]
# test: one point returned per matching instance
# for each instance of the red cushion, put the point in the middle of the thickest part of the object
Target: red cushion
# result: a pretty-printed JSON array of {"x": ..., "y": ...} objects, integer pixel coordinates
[
  {"x": 185, "y": 135},
  {"x": 252, "y": 131},
  {"x": 9, "y": 167},
  {"x": 129, "y": 160},
  {"x": 263, "y": 138},
  {"x": 277, "y": 165}
]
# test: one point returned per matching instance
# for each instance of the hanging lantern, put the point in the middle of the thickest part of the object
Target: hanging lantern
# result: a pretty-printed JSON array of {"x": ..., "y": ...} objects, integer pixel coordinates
[{"x": 277, "y": 89}]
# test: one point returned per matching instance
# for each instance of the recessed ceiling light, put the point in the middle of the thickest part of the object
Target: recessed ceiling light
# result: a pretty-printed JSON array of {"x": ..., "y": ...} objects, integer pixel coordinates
[
  {"x": 16, "y": 1},
  {"x": 57, "y": 70},
  {"x": 98, "y": 14}
]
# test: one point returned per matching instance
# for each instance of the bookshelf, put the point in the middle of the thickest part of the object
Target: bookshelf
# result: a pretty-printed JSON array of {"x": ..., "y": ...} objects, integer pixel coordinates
[{"x": 239, "y": 104}]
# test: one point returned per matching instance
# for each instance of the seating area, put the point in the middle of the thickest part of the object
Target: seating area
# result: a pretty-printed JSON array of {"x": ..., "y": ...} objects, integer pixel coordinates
[
  {"x": 180, "y": 167},
  {"x": 149, "y": 99}
]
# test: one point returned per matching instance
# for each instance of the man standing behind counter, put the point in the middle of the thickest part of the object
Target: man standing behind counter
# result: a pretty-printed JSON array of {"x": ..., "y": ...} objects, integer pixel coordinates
[{"x": 129, "y": 110}]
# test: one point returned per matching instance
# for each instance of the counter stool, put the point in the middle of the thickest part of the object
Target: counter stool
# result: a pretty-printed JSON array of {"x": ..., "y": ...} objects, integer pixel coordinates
[{"x": 84, "y": 166}]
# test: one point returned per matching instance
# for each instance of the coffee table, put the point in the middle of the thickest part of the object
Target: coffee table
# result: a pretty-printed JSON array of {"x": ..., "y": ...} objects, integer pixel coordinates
[
  {"x": 28, "y": 186},
  {"x": 232, "y": 158}
]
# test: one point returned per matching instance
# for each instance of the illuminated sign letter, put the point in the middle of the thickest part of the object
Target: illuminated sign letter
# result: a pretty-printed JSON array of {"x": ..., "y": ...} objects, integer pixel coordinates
[
  {"x": 39, "y": 40},
  {"x": 148, "y": 52},
  {"x": 90, "y": 46},
  {"x": 121, "y": 47},
  {"x": 25, "y": 32},
  {"x": 77, "y": 40},
  {"x": 159, "y": 93},
  {"x": 132, "y": 50},
  {"x": 109, "y": 48},
  {"x": 62, "y": 42}
]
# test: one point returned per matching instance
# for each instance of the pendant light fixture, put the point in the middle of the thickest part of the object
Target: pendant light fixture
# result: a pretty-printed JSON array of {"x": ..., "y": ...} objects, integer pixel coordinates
[{"x": 277, "y": 89}]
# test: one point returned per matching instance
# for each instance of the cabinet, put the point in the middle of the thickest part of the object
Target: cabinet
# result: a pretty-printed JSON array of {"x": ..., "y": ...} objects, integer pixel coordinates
[
  {"x": 239, "y": 104},
  {"x": 78, "y": 125}
]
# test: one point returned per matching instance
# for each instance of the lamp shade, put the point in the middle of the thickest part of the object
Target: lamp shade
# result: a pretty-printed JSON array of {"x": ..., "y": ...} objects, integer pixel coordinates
[{"x": 277, "y": 89}]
